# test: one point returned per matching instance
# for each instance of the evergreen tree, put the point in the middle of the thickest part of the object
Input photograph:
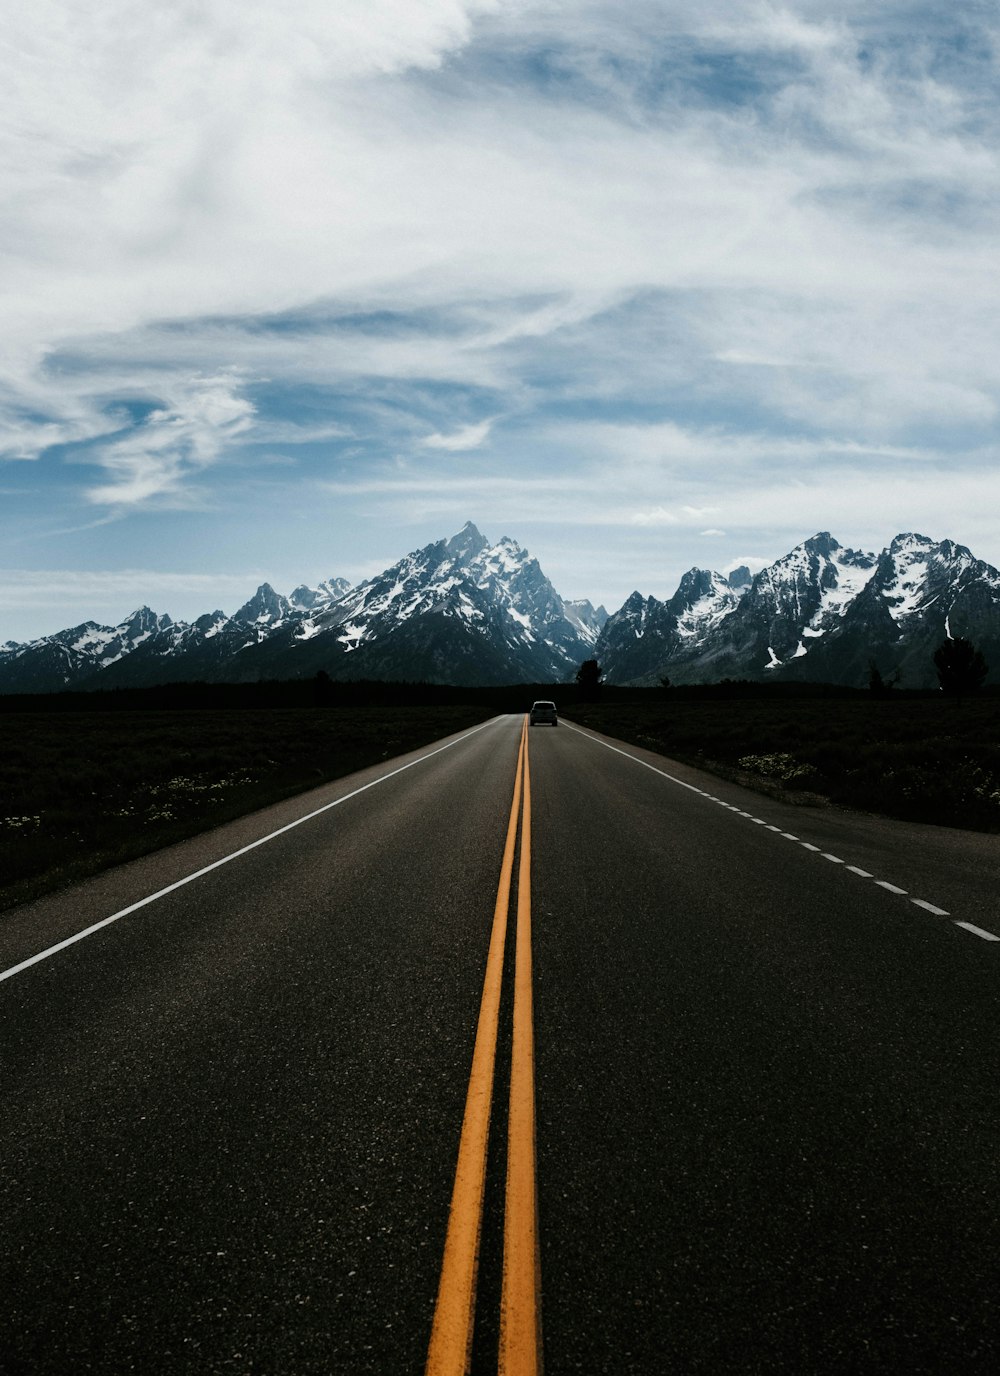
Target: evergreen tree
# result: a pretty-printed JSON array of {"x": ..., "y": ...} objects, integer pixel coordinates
[
  {"x": 960, "y": 666},
  {"x": 589, "y": 679}
]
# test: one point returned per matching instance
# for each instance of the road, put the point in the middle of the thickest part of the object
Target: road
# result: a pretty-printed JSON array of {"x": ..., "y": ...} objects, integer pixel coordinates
[{"x": 761, "y": 1098}]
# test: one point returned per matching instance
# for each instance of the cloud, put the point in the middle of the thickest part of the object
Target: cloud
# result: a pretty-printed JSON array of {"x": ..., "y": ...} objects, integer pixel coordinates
[
  {"x": 469, "y": 437},
  {"x": 37, "y": 602},
  {"x": 655, "y": 516},
  {"x": 691, "y": 254},
  {"x": 173, "y": 443}
]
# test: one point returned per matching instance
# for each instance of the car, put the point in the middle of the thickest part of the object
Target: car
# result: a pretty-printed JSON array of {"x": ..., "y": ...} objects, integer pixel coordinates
[{"x": 543, "y": 712}]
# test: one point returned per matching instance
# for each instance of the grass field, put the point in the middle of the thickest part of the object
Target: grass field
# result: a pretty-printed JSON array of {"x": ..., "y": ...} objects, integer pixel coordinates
[
  {"x": 920, "y": 758},
  {"x": 80, "y": 791}
]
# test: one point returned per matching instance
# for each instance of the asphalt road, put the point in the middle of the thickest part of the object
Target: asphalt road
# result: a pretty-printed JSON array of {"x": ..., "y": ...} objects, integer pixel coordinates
[{"x": 768, "y": 1127}]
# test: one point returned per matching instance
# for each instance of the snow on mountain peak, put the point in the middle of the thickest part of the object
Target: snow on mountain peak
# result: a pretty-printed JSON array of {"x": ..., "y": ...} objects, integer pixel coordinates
[
  {"x": 265, "y": 607},
  {"x": 307, "y": 599},
  {"x": 467, "y": 543}
]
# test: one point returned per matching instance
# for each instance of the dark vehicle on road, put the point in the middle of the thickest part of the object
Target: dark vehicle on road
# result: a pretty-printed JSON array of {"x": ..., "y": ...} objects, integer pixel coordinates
[{"x": 543, "y": 712}]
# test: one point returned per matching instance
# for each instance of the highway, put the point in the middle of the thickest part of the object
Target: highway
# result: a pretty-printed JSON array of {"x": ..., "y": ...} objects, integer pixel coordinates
[{"x": 728, "y": 1071}]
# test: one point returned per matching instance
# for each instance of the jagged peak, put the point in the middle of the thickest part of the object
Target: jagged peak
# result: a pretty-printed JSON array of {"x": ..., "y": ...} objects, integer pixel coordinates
[
  {"x": 266, "y": 602},
  {"x": 469, "y": 542},
  {"x": 306, "y": 598},
  {"x": 820, "y": 543},
  {"x": 701, "y": 579},
  {"x": 145, "y": 619},
  {"x": 911, "y": 539}
]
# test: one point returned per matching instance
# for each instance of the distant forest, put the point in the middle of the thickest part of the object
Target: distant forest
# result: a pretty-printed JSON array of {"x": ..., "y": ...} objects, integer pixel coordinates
[{"x": 322, "y": 691}]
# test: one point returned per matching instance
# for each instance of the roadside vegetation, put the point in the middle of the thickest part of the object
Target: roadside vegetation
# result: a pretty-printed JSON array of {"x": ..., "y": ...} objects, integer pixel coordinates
[
  {"x": 918, "y": 757},
  {"x": 92, "y": 780},
  {"x": 82, "y": 790}
]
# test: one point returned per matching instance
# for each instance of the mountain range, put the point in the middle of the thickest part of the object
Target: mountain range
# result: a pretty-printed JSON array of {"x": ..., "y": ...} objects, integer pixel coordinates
[
  {"x": 466, "y": 612},
  {"x": 822, "y": 613},
  {"x": 457, "y": 611}
]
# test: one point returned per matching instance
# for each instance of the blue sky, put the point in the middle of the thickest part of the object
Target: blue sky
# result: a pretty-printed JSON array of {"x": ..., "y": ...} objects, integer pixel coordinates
[{"x": 644, "y": 286}]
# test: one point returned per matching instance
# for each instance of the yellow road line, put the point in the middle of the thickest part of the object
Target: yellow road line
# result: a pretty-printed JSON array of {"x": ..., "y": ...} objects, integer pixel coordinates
[
  {"x": 520, "y": 1308},
  {"x": 450, "y": 1348}
]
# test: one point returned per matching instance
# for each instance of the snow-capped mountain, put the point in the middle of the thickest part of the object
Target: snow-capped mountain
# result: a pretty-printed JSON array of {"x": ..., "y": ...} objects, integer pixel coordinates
[
  {"x": 920, "y": 592},
  {"x": 465, "y": 611},
  {"x": 305, "y": 599},
  {"x": 457, "y": 611},
  {"x": 72, "y": 655},
  {"x": 645, "y": 635},
  {"x": 822, "y": 613},
  {"x": 148, "y": 648}
]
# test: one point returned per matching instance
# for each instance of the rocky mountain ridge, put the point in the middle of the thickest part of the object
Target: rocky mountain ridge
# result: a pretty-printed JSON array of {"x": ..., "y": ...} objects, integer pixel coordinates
[
  {"x": 822, "y": 613},
  {"x": 457, "y": 611},
  {"x": 465, "y": 611}
]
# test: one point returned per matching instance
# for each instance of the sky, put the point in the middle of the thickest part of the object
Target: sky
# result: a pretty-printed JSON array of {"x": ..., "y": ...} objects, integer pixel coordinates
[{"x": 288, "y": 291}]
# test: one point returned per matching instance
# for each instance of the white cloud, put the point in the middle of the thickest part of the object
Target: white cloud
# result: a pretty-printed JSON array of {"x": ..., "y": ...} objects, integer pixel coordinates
[
  {"x": 173, "y": 442},
  {"x": 37, "y": 602},
  {"x": 469, "y": 437},
  {"x": 572, "y": 206},
  {"x": 655, "y": 516}
]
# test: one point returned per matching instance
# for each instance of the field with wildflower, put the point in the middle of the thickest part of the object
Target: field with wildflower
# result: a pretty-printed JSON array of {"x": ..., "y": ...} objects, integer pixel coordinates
[
  {"x": 928, "y": 759},
  {"x": 83, "y": 790}
]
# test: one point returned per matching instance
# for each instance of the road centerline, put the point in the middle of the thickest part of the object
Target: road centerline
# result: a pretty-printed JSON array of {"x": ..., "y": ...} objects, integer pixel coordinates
[
  {"x": 450, "y": 1347},
  {"x": 520, "y": 1326}
]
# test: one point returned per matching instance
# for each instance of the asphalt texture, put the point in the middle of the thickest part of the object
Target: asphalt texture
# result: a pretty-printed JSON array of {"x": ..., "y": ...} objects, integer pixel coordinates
[{"x": 768, "y": 1121}]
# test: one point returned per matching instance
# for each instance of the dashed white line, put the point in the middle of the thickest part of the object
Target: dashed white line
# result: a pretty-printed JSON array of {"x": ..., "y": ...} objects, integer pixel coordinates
[
  {"x": 987, "y": 936},
  {"x": 930, "y": 908},
  {"x": 806, "y": 845}
]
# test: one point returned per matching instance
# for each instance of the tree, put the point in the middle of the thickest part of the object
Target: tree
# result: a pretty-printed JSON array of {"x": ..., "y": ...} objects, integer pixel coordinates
[
  {"x": 323, "y": 691},
  {"x": 960, "y": 666},
  {"x": 878, "y": 686},
  {"x": 589, "y": 679}
]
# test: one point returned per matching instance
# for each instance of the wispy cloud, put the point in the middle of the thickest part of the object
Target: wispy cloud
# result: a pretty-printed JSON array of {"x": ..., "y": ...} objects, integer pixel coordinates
[
  {"x": 172, "y": 443},
  {"x": 469, "y": 437},
  {"x": 691, "y": 255},
  {"x": 51, "y": 599}
]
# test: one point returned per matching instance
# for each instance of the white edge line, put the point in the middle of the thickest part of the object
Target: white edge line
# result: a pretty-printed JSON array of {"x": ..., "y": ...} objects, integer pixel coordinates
[
  {"x": 635, "y": 760},
  {"x": 854, "y": 869},
  {"x": 930, "y": 908},
  {"x": 179, "y": 884},
  {"x": 987, "y": 936}
]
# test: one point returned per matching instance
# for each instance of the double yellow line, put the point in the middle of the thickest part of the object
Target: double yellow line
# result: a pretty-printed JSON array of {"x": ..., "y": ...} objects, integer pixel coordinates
[{"x": 450, "y": 1348}]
